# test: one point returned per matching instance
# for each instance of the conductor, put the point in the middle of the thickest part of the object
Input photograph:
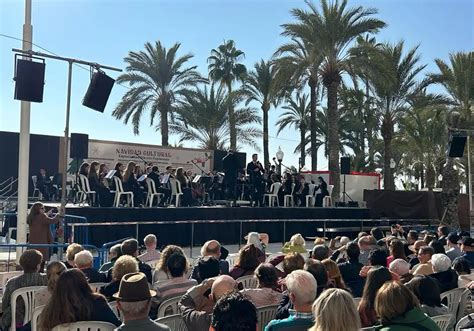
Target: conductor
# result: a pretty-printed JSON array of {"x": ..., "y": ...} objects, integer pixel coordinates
[
  {"x": 255, "y": 170},
  {"x": 230, "y": 165}
]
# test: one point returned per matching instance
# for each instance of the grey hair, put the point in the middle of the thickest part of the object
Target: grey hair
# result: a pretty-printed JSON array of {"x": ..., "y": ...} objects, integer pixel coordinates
[
  {"x": 137, "y": 308},
  {"x": 303, "y": 286},
  {"x": 440, "y": 262},
  {"x": 83, "y": 259}
]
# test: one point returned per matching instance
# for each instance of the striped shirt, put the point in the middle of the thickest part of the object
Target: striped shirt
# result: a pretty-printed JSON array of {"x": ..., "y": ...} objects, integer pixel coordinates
[{"x": 172, "y": 287}]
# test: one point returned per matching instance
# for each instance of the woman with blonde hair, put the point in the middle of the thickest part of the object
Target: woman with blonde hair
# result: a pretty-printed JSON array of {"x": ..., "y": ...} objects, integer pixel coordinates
[
  {"x": 296, "y": 244},
  {"x": 125, "y": 264},
  {"x": 334, "y": 310},
  {"x": 53, "y": 271},
  {"x": 161, "y": 272},
  {"x": 335, "y": 278},
  {"x": 399, "y": 309}
]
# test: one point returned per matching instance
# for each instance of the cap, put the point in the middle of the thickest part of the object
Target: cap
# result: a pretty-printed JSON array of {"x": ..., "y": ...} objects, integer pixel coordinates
[{"x": 466, "y": 241}]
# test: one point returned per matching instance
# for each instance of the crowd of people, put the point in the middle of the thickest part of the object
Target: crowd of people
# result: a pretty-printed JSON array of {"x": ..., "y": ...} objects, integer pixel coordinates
[{"x": 397, "y": 279}]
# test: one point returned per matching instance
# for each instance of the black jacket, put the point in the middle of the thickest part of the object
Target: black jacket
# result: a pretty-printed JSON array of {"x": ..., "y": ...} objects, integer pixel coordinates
[
  {"x": 447, "y": 280},
  {"x": 94, "y": 276},
  {"x": 350, "y": 274}
]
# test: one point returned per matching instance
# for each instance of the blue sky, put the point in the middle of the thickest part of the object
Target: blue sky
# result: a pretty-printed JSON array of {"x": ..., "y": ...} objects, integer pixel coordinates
[{"x": 104, "y": 31}]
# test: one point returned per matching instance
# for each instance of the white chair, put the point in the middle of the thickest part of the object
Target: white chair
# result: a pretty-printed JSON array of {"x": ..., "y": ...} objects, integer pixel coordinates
[
  {"x": 265, "y": 314},
  {"x": 310, "y": 198},
  {"x": 356, "y": 302},
  {"x": 28, "y": 296},
  {"x": 463, "y": 321},
  {"x": 249, "y": 281},
  {"x": 35, "y": 317},
  {"x": 442, "y": 321},
  {"x": 273, "y": 195},
  {"x": 95, "y": 287},
  {"x": 169, "y": 307},
  {"x": 453, "y": 298},
  {"x": 231, "y": 258},
  {"x": 462, "y": 304},
  {"x": 113, "y": 305},
  {"x": 152, "y": 263},
  {"x": 176, "y": 192},
  {"x": 86, "y": 191},
  {"x": 34, "y": 179},
  {"x": 119, "y": 192},
  {"x": 370, "y": 328},
  {"x": 85, "y": 326},
  {"x": 327, "y": 200},
  {"x": 288, "y": 198},
  {"x": 174, "y": 322},
  {"x": 6, "y": 275},
  {"x": 152, "y": 193}
]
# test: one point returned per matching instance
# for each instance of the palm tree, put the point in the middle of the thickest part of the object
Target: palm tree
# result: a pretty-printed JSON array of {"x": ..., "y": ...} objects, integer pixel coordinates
[
  {"x": 157, "y": 78},
  {"x": 336, "y": 28},
  {"x": 203, "y": 117},
  {"x": 261, "y": 85},
  {"x": 299, "y": 62},
  {"x": 224, "y": 67},
  {"x": 298, "y": 116},
  {"x": 393, "y": 80}
]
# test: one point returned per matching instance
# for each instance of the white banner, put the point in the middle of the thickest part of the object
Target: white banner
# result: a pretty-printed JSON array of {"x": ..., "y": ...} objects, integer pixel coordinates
[{"x": 111, "y": 152}]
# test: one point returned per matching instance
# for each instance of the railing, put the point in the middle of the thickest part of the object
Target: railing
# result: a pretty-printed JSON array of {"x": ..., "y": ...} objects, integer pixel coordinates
[
  {"x": 106, "y": 246},
  {"x": 8, "y": 187},
  {"x": 362, "y": 225}
]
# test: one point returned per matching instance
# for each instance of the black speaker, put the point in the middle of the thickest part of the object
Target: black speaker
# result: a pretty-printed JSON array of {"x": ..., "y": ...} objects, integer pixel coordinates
[
  {"x": 457, "y": 142},
  {"x": 345, "y": 165},
  {"x": 79, "y": 146},
  {"x": 29, "y": 80},
  {"x": 98, "y": 91}
]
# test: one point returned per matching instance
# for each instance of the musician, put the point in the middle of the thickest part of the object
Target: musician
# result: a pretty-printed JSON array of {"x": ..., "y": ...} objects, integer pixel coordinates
[
  {"x": 155, "y": 176},
  {"x": 301, "y": 192},
  {"x": 185, "y": 186},
  {"x": 44, "y": 184},
  {"x": 118, "y": 170},
  {"x": 323, "y": 187},
  {"x": 130, "y": 184},
  {"x": 84, "y": 169},
  {"x": 230, "y": 165},
  {"x": 104, "y": 199},
  {"x": 255, "y": 170}
]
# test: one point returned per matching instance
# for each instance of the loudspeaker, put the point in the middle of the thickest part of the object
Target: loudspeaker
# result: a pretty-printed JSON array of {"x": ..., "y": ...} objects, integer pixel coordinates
[
  {"x": 29, "y": 80},
  {"x": 457, "y": 142},
  {"x": 79, "y": 148},
  {"x": 345, "y": 165},
  {"x": 98, "y": 91}
]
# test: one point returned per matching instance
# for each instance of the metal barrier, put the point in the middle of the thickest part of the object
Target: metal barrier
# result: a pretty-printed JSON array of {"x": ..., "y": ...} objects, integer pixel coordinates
[
  {"x": 98, "y": 261},
  {"x": 82, "y": 235},
  {"x": 325, "y": 229},
  {"x": 106, "y": 246}
]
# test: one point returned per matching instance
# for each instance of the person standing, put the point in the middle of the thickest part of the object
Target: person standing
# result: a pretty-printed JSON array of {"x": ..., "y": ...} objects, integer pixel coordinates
[
  {"x": 39, "y": 222},
  {"x": 255, "y": 170}
]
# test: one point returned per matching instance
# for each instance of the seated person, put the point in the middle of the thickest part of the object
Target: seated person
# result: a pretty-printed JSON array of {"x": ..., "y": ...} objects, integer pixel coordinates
[
  {"x": 161, "y": 271},
  {"x": 44, "y": 184},
  {"x": 212, "y": 248},
  {"x": 71, "y": 252},
  {"x": 130, "y": 247},
  {"x": 53, "y": 270},
  {"x": 114, "y": 253},
  {"x": 155, "y": 176},
  {"x": 427, "y": 291},
  {"x": 249, "y": 259},
  {"x": 234, "y": 310},
  {"x": 83, "y": 261},
  {"x": 151, "y": 253},
  {"x": 447, "y": 278},
  {"x": 267, "y": 291},
  {"x": 402, "y": 269},
  {"x": 124, "y": 265}
]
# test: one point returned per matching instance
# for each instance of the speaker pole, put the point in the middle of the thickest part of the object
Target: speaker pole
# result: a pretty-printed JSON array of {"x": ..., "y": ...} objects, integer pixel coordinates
[
  {"x": 24, "y": 152},
  {"x": 66, "y": 140}
]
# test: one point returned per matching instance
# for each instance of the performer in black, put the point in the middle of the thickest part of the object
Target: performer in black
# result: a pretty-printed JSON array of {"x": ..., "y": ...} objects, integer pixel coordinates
[
  {"x": 323, "y": 187},
  {"x": 230, "y": 165},
  {"x": 155, "y": 176},
  {"x": 255, "y": 170}
]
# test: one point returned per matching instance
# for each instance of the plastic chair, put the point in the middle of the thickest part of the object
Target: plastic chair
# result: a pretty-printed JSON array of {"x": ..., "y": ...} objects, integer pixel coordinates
[
  {"x": 28, "y": 296},
  {"x": 152, "y": 193},
  {"x": 327, "y": 200},
  {"x": 174, "y": 322},
  {"x": 288, "y": 198},
  {"x": 6, "y": 275},
  {"x": 453, "y": 298},
  {"x": 273, "y": 195},
  {"x": 86, "y": 190},
  {"x": 463, "y": 321},
  {"x": 169, "y": 307},
  {"x": 119, "y": 192},
  {"x": 113, "y": 305},
  {"x": 310, "y": 198},
  {"x": 249, "y": 281},
  {"x": 231, "y": 258},
  {"x": 152, "y": 263},
  {"x": 176, "y": 191},
  {"x": 85, "y": 326},
  {"x": 34, "y": 179},
  {"x": 370, "y": 328},
  {"x": 35, "y": 317},
  {"x": 265, "y": 314},
  {"x": 357, "y": 301},
  {"x": 442, "y": 321},
  {"x": 95, "y": 287},
  {"x": 462, "y": 304}
]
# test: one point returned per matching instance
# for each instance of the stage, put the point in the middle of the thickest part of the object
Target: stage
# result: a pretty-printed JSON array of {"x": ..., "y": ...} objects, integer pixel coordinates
[{"x": 192, "y": 226}]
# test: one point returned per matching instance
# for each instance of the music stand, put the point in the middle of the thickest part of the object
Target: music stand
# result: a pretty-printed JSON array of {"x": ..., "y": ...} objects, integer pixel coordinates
[
  {"x": 110, "y": 174},
  {"x": 142, "y": 178},
  {"x": 165, "y": 179}
]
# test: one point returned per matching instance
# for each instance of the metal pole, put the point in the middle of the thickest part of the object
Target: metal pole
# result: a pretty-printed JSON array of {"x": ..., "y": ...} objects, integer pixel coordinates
[
  {"x": 471, "y": 209},
  {"x": 66, "y": 139},
  {"x": 24, "y": 152}
]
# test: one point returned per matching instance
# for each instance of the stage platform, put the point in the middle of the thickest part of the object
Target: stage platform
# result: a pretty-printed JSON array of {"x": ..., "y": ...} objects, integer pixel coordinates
[{"x": 192, "y": 226}]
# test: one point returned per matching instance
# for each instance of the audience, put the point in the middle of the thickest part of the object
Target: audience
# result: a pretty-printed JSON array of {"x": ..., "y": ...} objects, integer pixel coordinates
[
  {"x": 207, "y": 267},
  {"x": 452, "y": 242},
  {"x": 114, "y": 253},
  {"x": 443, "y": 232},
  {"x": 130, "y": 247},
  {"x": 267, "y": 291},
  {"x": 234, "y": 312},
  {"x": 212, "y": 248},
  {"x": 151, "y": 254},
  {"x": 53, "y": 270},
  {"x": 437, "y": 246},
  {"x": 161, "y": 272},
  {"x": 196, "y": 306},
  {"x": 467, "y": 248},
  {"x": 350, "y": 270},
  {"x": 447, "y": 278},
  {"x": 397, "y": 251},
  {"x": 71, "y": 252},
  {"x": 259, "y": 240},
  {"x": 463, "y": 269},
  {"x": 302, "y": 289},
  {"x": 292, "y": 262},
  {"x": 72, "y": 300},
  {"x": 375, "y": 279},
  {"x": 366, "y": 245},
  {"x": 399, "y": 309},
  {"x": 334, "y": 310},
  {"x": 30, "y": 262},
  {"x": 427, "y": 291},
  {"x": 424, "y": 267},
  {"x": 415, "y": 248},
  {"x": 297, "y": 244},
  {"x": 134, "y": 301},
  {"x": 377, "y": 257},
  {"x": 401, "y": 268},
  {"x": 320, "y": 252},
  {"x": 124, "y": 265},
  {"x": 335, "y": 278},
  {"x": 249, "y": 259},
  {"x": 83, "y": 261}
]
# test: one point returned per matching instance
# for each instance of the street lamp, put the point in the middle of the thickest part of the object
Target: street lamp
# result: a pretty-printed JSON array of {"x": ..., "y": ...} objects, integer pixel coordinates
[{"x": 279, "y": 156}]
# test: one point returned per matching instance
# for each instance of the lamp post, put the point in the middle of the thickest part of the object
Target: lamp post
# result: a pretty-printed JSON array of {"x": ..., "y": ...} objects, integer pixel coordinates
[{"x": 279, "y": 156}]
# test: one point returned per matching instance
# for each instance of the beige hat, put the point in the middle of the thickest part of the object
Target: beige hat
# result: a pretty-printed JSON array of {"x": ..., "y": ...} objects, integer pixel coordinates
[{"x": 134, "y": 287}]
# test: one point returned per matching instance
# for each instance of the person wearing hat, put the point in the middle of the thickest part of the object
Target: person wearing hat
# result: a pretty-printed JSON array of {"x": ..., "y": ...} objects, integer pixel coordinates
[
  {"x": 134, "y": 301},
  {"x": 415, "y": 248},
  {"x": 467, "y": 247},
  {"x": 454, "y": 251}
]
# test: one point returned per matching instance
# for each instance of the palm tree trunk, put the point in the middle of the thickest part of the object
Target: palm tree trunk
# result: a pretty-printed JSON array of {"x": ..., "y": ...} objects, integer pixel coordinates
[
  {"x": 266, "y": 158},
  {"x": 164, "y": 126},
  {"x": 333, "y": 141},
  {"x": 303, "y": 147},
  {"x": 232, "y": 128},
  {"x": 387, "y": 135},
  {"x": 450, "y": 194},
  {"x": 313, "y": 83}
]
